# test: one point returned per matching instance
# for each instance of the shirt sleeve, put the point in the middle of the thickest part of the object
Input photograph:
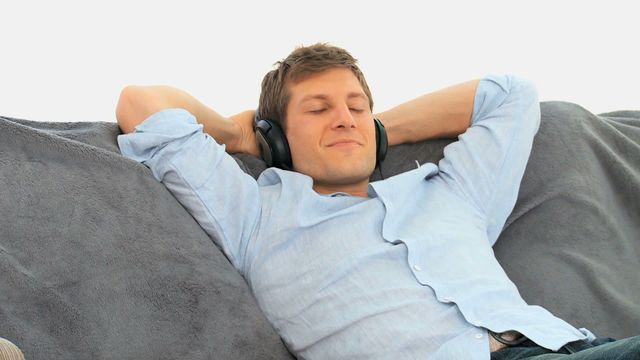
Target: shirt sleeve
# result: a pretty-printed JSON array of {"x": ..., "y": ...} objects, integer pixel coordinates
[
  {"x": 206, "y": 180},
  {"x": 488, "y": 161}
]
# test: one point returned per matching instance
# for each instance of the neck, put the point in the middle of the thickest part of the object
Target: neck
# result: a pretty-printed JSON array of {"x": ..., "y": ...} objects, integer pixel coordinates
[{"x": 359, "y": 189}]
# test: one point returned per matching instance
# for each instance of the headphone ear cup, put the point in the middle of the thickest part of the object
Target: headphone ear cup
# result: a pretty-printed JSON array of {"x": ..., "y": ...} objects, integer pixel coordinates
[
  {"x": 381, "y": 141},
  {"x": 273, "y": 144}
]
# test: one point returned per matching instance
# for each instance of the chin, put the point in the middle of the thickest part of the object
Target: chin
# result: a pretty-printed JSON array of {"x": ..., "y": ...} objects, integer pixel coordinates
[
  {"x": 341, "y": 172},
  {"x": 348, "y": 174}
]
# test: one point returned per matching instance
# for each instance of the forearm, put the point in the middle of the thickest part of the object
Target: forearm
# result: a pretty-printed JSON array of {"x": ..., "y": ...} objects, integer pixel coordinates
[
  {"x": 136, "y": 103},
  {"x": 444, "y": 113}
]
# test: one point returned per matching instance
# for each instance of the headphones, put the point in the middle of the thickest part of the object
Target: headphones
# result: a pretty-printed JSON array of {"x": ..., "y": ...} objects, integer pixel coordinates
[{"x": 274, "y": 147}]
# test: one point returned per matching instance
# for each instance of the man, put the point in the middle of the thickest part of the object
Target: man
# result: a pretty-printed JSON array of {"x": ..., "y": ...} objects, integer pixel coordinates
[{"x": 343, "y": 268}]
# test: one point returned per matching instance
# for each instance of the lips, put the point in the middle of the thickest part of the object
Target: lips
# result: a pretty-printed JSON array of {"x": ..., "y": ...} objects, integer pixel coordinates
[{"x": 344, "y": 142}]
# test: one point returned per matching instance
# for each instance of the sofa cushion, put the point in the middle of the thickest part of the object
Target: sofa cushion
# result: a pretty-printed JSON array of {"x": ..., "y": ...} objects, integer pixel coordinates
[{"x": 99, "y": 260}]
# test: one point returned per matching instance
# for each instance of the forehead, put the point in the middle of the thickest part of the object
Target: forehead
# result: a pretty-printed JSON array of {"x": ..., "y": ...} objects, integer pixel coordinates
[{"x": 327, "y": 85}]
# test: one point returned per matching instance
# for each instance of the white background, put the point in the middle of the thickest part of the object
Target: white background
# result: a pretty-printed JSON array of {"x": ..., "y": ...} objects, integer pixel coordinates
[{"x": 68, "y": 60}]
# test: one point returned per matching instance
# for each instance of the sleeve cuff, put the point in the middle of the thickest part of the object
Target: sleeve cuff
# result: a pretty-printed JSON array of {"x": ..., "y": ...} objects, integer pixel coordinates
[{"x": 156, "y": 131}]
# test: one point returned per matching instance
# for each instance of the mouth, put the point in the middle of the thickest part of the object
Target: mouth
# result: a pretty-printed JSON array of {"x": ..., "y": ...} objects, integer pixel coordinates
[{"x": 344, "y": 143}]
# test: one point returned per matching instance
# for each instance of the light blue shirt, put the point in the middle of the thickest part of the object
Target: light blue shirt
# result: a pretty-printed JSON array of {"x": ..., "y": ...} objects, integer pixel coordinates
[{"x": 407, "y": 273}]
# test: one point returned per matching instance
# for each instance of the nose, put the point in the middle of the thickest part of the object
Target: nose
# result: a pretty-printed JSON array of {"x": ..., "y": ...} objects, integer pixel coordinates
[{"x": 343, "y": 118}]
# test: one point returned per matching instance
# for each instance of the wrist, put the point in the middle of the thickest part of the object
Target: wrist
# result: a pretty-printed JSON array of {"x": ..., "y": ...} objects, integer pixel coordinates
[
  {"x": 395, "y": 133},
  {"x": 229, "y": 133},
  {"x": 241, "y": 138}
]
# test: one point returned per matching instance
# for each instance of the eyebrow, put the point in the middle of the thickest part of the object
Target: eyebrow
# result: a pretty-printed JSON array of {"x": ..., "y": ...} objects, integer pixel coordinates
[{"x": 350, "y": 95}]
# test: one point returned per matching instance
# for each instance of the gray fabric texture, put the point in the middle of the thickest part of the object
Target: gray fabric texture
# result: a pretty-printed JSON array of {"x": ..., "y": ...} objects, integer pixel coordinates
[{"x": 98, "y": 260}]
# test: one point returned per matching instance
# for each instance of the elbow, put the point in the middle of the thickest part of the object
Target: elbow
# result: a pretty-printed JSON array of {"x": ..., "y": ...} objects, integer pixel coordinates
[
  {"x": 520, "y": 90},
  {"x": 524, "y": 88},
  {"x": 137, "y": 103},
  {"x": 126, "y": 113},
  {"x": 526, "y": 93}
]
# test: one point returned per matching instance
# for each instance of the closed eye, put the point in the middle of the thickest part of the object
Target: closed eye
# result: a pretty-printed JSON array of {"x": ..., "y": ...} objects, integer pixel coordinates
[{"x": 321, "y": 110}]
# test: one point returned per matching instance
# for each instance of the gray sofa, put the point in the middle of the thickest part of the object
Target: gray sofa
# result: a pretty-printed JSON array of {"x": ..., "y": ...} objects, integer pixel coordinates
[{"x": 98, "y": 260}]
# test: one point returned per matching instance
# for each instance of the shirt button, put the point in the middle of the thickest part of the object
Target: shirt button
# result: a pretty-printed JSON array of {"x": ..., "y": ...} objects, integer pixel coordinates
[
  {"x": 478, "y": 336},
  {"x": 417, "y": 267}
]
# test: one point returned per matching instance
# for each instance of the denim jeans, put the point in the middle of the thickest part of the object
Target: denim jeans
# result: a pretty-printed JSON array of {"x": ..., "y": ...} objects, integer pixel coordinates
[{"x": 599, "y": 349}]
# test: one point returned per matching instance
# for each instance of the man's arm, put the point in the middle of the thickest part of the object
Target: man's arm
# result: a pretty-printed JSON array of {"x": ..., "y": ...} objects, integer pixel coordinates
[
  {"x": 495, "y": 120},
  {"x": 444, "y": 113},
  {"x": 487, "y": 163},
  {"x": 137, "y": 103},
  {"x": 207, "y": 181}
]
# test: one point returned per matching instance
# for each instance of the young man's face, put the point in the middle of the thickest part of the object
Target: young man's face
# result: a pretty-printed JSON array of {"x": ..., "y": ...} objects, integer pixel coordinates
[{"x": 331, "y": 132}]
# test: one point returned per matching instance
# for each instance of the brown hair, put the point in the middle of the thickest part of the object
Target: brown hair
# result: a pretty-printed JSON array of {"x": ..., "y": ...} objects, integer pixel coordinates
[{"x": 300, "y": 64}]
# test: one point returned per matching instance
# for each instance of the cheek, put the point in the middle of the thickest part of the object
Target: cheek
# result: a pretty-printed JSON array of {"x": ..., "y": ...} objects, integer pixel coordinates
[
  {"x": 301, "y": 143},
  {"x": 304, "y": 134}
]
